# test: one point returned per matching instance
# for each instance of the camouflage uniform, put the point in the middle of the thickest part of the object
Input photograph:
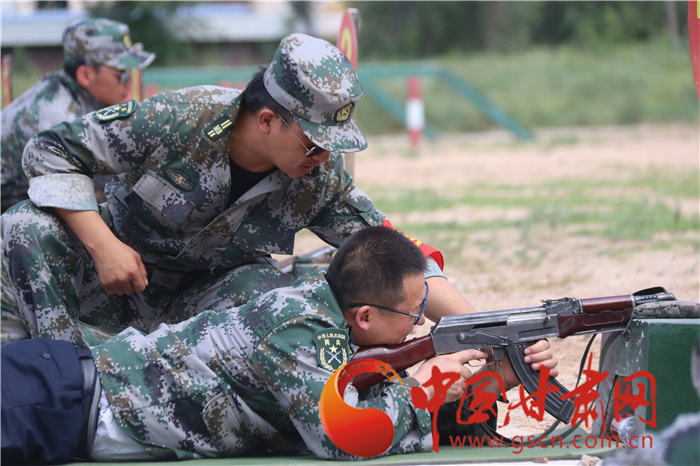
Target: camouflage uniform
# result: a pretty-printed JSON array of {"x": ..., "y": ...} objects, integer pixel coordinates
[
  {"x": 241, "y": 381},
  {"x": 58, "y": 97},
  {"x": 12, "y": 326},
  {"x": 170, "y": 201},
  {"x": 169, "y": 204}
]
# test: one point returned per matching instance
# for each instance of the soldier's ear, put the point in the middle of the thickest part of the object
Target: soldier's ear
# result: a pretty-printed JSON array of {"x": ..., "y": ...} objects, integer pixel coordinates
[
  {"x": 266, "y": 119},
  {"x": 85, "y": 75},
  {"x": 362, "y": 318}
]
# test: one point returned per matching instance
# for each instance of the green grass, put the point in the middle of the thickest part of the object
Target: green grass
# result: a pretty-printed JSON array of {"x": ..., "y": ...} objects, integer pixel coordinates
[
  {"x": 555, "y": 87},
  {"x": 23, "y": 79},
  {"x": 640, "y": 208}
]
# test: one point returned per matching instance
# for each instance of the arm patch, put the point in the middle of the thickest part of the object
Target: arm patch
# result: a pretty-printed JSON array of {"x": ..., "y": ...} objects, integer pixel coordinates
[
  {"x": 332, "y": 350},
  {"x": 116, "y": 111}
]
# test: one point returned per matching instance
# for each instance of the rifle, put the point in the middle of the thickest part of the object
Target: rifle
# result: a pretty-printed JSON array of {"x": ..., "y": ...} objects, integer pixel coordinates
[{"x": 511, "y": 331}]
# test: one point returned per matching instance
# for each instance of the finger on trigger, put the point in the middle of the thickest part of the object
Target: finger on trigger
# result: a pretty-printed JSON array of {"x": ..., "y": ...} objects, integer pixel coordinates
[{"x": 469, "y": 355}]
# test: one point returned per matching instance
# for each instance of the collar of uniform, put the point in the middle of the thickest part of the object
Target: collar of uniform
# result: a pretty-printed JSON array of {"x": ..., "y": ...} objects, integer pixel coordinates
[
  {"x": 218, "y": 130},
  {"x": 333, "y": 307},
  {"x": 354, "y": 347},
  {"x": 273, "y": 182},
  {"x": 220, "y": 144},
  {"x": 316, "y": 279},
  {"x": 76, "y": 90}
]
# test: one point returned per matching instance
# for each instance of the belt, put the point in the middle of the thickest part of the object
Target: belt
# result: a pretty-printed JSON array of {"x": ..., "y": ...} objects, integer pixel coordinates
[
  {"x": 172, "y": 280},
  {"x": 92, "y": 390}
]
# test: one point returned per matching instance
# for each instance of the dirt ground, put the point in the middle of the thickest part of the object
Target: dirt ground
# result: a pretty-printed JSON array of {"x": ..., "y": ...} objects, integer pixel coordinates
[{"x": 574, "y": 266}]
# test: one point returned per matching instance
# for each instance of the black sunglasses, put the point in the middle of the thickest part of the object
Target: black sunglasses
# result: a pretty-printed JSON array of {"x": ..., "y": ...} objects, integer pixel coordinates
[
  {"x": 309, "y": 152},
  {"x": 122, "y": 74}
]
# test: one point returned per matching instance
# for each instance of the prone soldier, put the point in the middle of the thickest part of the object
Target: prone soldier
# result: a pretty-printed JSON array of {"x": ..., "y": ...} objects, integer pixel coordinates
[{"x": 242, "y": 381}]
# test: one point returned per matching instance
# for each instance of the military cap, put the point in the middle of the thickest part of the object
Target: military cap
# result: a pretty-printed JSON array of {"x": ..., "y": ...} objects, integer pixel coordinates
[
  {"x": 316, "y": 82},
  {"x": 100, "y": 41}
]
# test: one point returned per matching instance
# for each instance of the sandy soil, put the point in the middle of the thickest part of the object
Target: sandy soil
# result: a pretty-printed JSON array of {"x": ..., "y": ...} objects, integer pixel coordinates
[{"x": 571, "y": 265}]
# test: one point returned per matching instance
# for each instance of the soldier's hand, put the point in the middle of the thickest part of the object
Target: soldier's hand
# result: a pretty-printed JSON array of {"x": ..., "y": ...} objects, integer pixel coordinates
[
  {"x": 537, "y": 355},
  {"x": 121, "y": 270},
  {"x": 119, "y": 267},
  {"x": 452, "y": 363}
]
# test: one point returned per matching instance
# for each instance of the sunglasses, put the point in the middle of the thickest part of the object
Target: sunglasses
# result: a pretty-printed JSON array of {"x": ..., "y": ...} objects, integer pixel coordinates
[
  {"x": 123, "y": 74},
  {"x": 309, "y": 152},
  {"x": 415, "y": 316}
]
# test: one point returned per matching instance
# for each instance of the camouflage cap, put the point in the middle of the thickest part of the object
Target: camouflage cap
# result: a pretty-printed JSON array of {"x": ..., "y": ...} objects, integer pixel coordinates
[
  {"x": 316, "y": 82},
  {"x": 100, "y": 41}
]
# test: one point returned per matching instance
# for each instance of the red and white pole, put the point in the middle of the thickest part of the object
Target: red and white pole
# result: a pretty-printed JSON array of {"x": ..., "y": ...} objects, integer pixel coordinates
[
  {"x": 6, "y": 80},
  {"x": 347, "y": 43},
  {"x": 415, "y": 112},
  {"x": 694, "y": 39},
  {"x": 136, "y": 91},
  {"x": 151, "y": 90}
]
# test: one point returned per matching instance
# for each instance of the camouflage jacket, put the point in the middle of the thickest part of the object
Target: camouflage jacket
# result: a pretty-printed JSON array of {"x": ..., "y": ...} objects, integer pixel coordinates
[
  {"x": 170, "y": 199},
  {"x": 56, "y": 98},
  {"x": 246, "y": 380}
]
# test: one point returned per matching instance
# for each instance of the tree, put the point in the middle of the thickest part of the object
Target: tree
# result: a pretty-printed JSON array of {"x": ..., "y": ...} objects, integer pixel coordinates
[
  {"x": 409, "y": 30},
  {"x": 147, "y": 24}
]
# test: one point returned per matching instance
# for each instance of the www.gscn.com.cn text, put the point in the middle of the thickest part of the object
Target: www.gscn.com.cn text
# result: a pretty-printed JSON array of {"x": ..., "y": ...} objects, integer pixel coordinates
[{"x": 521, "y": 443}]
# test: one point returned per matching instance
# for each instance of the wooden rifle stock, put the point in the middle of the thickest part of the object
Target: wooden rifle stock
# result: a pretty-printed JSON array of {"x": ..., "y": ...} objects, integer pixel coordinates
[{"x": 400, "y": 357}]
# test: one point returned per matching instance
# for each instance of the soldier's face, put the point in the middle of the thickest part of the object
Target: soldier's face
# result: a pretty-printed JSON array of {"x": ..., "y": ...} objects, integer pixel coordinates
[
  {"x": 389, "y": 327},
  {"x": 105, "y": 85},
  {"x": 293, "y": 144}
]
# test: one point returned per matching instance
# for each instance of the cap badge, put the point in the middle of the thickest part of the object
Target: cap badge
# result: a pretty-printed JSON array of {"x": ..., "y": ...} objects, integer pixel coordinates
[
  {"x": 344, "y": 113},
  {"x": 127, "y": 41}
]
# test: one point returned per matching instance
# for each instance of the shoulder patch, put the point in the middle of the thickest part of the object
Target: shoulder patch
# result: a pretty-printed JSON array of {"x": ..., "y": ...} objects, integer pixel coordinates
[
  {"x": 217, "y": 128},
  {"x": 332, "y": 350},
  {"x": 116, "y": 111}
]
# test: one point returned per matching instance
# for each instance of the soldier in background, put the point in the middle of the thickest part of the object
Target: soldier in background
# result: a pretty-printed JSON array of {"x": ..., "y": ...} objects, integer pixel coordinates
[
  {"x": 212, "y": 181},
  {"x": 243, "y": 381},
  {"x": 98, "y": 60}
]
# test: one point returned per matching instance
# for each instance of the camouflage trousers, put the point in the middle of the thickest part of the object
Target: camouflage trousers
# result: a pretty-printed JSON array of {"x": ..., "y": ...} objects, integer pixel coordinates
[
  {"x": 55, "y": 291},
  {"x": 12, "y": 327}
]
